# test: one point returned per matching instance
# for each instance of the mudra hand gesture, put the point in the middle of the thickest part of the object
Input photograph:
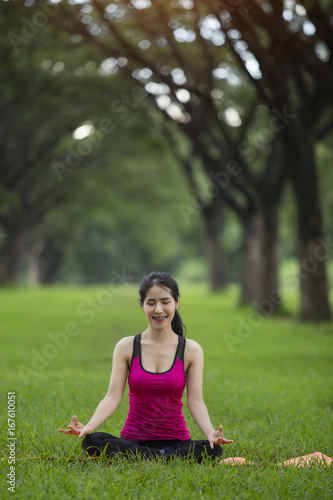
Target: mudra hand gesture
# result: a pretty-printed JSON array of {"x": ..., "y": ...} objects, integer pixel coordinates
[
  {"x": 76, "y": 428},
  {"x": 216, "y": 438}
]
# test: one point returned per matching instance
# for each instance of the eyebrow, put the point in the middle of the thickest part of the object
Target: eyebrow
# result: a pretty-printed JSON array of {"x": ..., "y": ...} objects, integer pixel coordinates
[{"x": 163, "y": 298}]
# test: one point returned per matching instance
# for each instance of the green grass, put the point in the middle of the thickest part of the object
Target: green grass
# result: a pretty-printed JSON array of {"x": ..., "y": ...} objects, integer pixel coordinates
[{"x": 272, "y": 390}]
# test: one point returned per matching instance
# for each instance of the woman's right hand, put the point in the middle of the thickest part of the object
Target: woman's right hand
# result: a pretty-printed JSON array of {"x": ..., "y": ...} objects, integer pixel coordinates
[{"x": 76, "y": 428}]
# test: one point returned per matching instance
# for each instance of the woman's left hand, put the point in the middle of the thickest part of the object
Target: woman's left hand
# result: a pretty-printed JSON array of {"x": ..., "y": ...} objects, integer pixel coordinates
[{"x": 216, "y": 438}]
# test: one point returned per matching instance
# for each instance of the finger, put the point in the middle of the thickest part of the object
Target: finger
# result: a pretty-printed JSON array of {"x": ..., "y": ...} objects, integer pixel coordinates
[
  {"x": 64, "y": 431},
  {"x": 83, "y": 432},
  {"x": 74, "y": 430},
  {"x": 228, "y": 441}
]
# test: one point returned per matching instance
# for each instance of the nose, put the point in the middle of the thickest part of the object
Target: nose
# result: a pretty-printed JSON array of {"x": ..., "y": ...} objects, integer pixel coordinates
[{"x": 158, "y": 307}]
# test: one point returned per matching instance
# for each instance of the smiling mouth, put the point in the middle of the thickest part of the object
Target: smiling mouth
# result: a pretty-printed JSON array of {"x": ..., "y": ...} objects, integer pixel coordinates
[{"x": 159, "y": 319}]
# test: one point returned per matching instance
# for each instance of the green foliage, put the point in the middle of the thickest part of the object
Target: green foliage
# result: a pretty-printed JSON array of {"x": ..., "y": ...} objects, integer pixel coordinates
[
  {"x": 107, "y": 201},
  {"x": 126, "y": 214},
  {"x": 122, "y": 199},
  {"x": 272, "y": 392}
]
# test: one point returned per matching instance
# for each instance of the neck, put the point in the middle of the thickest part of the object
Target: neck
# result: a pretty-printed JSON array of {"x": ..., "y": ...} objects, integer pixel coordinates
[{"x": 159, "y": 334}]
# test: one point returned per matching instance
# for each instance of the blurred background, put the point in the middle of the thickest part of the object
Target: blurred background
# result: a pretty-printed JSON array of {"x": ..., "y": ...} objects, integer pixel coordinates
[{"x": 188, "y": 136}]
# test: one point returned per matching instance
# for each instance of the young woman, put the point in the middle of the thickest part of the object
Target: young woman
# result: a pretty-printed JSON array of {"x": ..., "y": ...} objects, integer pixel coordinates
[{"x": 158, "y": 363}]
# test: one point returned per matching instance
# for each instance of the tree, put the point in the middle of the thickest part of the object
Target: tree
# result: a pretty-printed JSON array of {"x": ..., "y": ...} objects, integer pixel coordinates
[
  {"x": 125, "y": 215},
  {"x": 300, "y": 84},
  {"x": 256, "y": 36},
  {"x": 41, "y": 105},
  {"x": 191, "y": 97}
]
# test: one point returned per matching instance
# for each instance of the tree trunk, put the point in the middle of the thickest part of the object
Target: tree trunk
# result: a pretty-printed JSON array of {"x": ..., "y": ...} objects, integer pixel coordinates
[
  {"x": 313, "y": 256},
  {"x": 314, "y": 290},
  {"x": 270, "y": 256},
  {"x": 34, "y": 261},
  {"x": 213, "y": 215},
  {"x": 251, "y": 258},
  {"x": 10, "y": 254},
  {"x": 270, "y": 190},
  {"x": 44, "y": 261},
  {"x": 50, "y": 261}
]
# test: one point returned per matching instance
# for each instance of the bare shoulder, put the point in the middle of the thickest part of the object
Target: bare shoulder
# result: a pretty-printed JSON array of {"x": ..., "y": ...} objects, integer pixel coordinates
[
  {"x": 125, "y": 341},
  {"x": 193, "y": 349},
  {"x": 124, "y": 347}
]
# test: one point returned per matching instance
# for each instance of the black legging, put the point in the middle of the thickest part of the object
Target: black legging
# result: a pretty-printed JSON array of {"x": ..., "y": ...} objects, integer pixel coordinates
[{"x": 96, "y": 443}]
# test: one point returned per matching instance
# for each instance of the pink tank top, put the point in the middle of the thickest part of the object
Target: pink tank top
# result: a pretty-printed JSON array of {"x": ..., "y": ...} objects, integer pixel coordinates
[{"x": 155, "y": 399}]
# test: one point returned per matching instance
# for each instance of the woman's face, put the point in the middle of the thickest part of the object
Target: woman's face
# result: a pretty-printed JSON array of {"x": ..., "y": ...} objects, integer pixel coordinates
[{"x": 159, "y": 307}]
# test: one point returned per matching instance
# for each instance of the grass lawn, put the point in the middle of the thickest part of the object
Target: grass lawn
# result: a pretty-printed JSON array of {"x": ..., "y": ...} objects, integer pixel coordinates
[{"x": 269, "y": 381}]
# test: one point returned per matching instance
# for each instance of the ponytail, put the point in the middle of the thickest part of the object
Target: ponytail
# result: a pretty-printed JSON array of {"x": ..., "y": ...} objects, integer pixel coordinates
[{"x": 177, "y": 325}]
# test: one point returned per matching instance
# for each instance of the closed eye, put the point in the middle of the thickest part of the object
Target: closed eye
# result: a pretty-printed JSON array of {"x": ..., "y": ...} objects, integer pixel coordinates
[{"x": 152, "y": 302}]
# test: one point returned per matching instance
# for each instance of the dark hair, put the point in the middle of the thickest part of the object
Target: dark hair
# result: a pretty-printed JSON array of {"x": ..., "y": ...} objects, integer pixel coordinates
[{"x": 164, "y": 280}]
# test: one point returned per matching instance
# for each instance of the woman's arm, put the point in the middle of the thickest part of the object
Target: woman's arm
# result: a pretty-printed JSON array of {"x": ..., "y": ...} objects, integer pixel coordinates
[
  {"x": 109, "y": 404},
  {"x": 195, "y": 401}
]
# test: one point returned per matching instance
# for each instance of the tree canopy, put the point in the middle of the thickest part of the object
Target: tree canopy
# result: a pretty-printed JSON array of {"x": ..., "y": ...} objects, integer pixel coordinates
[{"x": 239, "y": 89}]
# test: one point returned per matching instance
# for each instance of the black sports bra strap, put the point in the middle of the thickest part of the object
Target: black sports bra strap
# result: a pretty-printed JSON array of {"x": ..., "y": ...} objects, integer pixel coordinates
[
  {"x": 136, "y": 346},
  {"x": 181, "y": 348}
]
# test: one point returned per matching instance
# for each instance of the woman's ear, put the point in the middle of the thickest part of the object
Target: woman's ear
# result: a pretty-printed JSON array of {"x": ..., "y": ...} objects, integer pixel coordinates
[{"x": 177, "y": 304}]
